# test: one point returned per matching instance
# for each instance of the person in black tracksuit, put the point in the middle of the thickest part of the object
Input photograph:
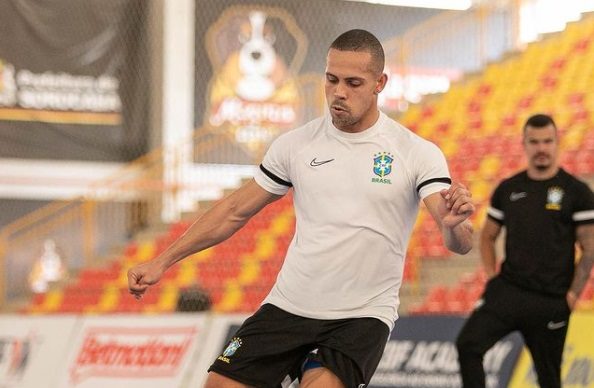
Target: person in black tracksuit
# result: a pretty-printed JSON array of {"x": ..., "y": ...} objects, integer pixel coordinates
[{"x": 545, "y": 211}]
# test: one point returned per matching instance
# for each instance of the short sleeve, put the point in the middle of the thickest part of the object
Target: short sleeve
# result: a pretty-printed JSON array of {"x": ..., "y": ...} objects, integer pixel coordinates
[
  {"x": 432, "y": 174},
  {"x": 584, "y": 208},
  {"x": 274, "y": 172},
  {"x": 495, "y": 210}
]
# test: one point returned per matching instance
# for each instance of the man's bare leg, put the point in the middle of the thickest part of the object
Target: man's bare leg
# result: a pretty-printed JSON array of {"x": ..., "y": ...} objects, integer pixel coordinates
[
  {"x": 320, "y": 378},
  {"x": 216, "y": 380}
]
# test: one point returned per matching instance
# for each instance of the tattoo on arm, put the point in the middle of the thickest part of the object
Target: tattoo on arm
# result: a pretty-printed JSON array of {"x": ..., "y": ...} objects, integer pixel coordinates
[{"x": 585, "y": 238}]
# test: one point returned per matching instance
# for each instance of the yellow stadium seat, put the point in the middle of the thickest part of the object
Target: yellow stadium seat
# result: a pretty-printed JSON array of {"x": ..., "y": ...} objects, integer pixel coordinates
[
  {"x": 168, "y": 299},
  {"x": 231, "y": 299},
  {"x": 480, "y": 190},
  {"x": 187, "y": 274},
  {"x": 109, "y": 299},
  {"x": 250, "y": 271},
  {"x": 489, "y": 167},
  {"x": 52, "y": 302},
  {"x": 146, "y": 251}
]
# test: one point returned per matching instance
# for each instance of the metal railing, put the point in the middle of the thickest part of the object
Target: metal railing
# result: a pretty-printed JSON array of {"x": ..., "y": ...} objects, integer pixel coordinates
[{"x": 89, "y": 228}]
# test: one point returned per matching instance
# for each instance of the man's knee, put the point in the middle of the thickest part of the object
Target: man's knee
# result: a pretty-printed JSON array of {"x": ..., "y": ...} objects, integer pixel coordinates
[{"x": 320, "y": 378}]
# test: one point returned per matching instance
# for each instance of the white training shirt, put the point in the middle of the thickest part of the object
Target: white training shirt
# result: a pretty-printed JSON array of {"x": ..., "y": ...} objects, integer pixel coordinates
[{"x": 356, "y": 199}]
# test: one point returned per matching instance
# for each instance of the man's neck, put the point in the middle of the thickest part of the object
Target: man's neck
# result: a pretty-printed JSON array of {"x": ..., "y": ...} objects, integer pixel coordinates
[{"x": 542, "y": 175}]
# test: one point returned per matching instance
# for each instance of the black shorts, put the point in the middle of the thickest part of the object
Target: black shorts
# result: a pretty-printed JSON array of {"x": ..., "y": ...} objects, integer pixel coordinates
[{"x": 273, "y": 344}]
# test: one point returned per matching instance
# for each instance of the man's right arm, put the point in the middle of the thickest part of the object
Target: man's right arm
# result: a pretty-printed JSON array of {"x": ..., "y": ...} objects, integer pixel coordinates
[
  {"x": 216, "y": 225},
  {"x": 488, "y": 237}
]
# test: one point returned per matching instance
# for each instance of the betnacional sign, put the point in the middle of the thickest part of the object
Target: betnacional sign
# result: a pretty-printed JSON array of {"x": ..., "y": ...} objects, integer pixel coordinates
[
  {"x": 143, "y": 351},
  {"x": 221, "y": 329}
]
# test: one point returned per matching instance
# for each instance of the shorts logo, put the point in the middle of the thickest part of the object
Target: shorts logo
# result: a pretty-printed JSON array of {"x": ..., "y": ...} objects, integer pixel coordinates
[
  {"x": 231, "y": 349},
  {"x": 554, "y": 198},
  {"x": 382, "y": 166}
]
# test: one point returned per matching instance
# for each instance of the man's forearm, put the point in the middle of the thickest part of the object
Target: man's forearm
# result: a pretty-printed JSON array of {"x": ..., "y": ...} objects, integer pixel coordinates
[
  {"x": 488, "y": 257},
  {"x": 216, "y": 225},
  {"x": 585, "y": 239},
  {"x": 582, "y": 273},
  {"x": 459, "y": 238}
]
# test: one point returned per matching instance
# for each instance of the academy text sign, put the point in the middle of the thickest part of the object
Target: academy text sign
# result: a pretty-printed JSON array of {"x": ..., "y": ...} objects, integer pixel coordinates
[{"x": 421, "y": 352}]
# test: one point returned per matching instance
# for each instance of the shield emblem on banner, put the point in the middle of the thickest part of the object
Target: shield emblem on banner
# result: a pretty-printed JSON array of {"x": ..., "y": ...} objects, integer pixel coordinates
[{"x": 382, "y": 164}]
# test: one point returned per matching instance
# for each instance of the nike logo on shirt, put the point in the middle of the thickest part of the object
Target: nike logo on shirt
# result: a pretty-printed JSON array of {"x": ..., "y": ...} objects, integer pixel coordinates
[
  {"x": 516, "y": 196},
  {"x": 556, "y": 325},
  {"x": 314, "y": 162}
]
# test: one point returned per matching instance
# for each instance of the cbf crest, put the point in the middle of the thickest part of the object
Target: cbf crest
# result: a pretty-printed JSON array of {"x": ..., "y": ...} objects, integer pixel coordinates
[
  {"x": 230, "y": 349},
  {"x": 382, "y": 167},
  {"x": 554, "y": 198}
]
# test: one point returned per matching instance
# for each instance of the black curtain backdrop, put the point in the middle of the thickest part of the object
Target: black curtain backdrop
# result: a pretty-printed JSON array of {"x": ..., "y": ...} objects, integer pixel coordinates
[{"x": 83, "y": 41}]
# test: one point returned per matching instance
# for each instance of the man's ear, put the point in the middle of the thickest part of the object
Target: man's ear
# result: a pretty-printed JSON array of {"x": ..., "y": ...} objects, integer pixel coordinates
[{"x": 381, "y": 83}]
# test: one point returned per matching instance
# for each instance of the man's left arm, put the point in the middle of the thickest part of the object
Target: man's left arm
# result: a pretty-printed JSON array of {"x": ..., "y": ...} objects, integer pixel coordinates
[
  {"x": 585, "y": 239},
  {"x": 451, "y": 209}
]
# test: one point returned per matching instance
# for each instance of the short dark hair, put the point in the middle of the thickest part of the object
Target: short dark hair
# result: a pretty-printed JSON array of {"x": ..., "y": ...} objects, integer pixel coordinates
[
  {"x": 362, "y": 40},
  {"x": 539, "y": 121}
]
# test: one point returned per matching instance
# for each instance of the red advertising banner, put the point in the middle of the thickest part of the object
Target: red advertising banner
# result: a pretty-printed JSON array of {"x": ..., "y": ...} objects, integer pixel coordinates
[
  {"x": 221, "y": 328},
  {"x": 135, "y": 351}
]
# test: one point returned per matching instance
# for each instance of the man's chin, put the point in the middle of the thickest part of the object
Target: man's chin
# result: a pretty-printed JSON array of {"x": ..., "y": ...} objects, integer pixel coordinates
[
  {"x": 542, "y": 167},
  {"x": 341, "y": 122},
  {"x": 541, "y": 163}
]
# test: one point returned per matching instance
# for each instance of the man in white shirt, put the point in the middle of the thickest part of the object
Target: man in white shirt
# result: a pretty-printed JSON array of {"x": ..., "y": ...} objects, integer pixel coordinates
[{"x": 358, "y": 178}]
